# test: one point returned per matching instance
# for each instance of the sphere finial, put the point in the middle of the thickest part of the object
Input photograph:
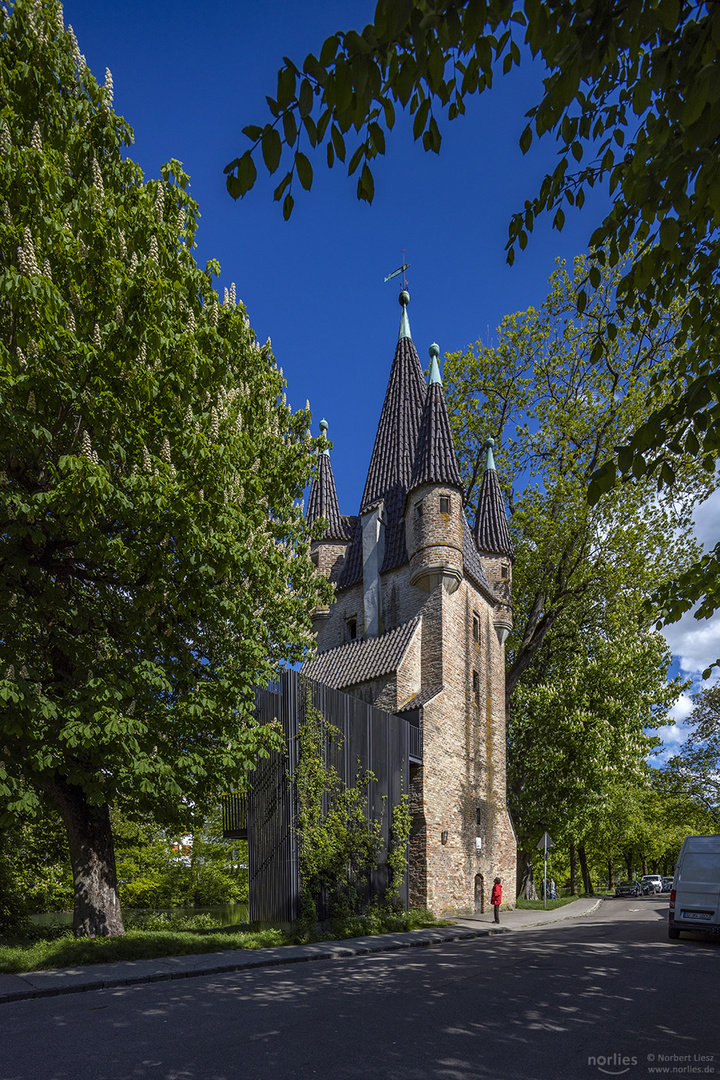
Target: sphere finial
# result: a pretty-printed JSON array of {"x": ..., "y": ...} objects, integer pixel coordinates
[
  {"x": 404, "y": 298},
  {"x": 434, "y": 350},
  {"x": 490, "y": 444},
  {"x": 323, "y": 427}
]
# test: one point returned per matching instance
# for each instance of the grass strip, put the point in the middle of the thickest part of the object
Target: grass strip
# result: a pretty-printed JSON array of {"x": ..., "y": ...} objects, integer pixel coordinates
[{"x": 20, "y": 956}]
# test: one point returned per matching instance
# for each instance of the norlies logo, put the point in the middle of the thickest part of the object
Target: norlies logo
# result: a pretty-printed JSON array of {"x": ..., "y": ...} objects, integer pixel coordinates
[{"x": 613, "y": 1064}]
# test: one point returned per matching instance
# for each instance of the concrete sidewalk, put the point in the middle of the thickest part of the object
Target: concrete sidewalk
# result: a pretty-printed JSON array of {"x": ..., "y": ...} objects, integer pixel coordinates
[{"x": 76, "y": 980}]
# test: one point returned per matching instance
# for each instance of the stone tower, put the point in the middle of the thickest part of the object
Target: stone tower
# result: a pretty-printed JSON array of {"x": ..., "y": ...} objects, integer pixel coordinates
[{"x": 423, "y": 605}]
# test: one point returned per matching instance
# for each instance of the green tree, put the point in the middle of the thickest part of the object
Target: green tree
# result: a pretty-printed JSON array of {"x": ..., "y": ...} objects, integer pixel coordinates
[
  {"x": 555, "y": 413},
  {"x": 630, "y": 95},
  {"x": 154, "y": 556},
  {"x": 695, "y": 771},
  {"x": 581, "y": 725}
]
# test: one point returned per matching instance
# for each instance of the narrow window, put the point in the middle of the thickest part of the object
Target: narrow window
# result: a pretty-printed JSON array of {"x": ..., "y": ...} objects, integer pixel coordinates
[
  {"x": 504, "y": 570},
  {"x": 476, "y": 629},
  {"x": 476, "y": 687},
  {"x": 352, "y": 629},
  {"x": 444, "y": 504},
  {"x": 418, "y": 510},
  {"x": 315, "y": 559}
]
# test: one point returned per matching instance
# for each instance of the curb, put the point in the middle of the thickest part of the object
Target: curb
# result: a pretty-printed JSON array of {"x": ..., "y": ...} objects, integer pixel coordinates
[
  {"x": 53, "y": 983},
  {"x": 264, "y": 958}
]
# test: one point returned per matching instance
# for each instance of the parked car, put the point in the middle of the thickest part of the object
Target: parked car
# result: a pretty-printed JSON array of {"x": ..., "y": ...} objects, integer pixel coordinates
[
  {"x": 667, "y": 884},
  {"x": 628, "y": 888},
  {"x": 695, "y": 895},
  {"x": 651, "y": 883}
]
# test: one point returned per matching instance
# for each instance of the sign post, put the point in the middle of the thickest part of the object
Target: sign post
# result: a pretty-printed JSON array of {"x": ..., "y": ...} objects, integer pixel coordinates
[{"x": 544, "y": 844}]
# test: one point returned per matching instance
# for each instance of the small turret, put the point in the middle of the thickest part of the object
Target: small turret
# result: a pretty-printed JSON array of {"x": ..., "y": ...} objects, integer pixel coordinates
[
  {"x": 328, "y": 552},
  {"x": 433, "y": 518},
  {"x": 494, "y": 543}
]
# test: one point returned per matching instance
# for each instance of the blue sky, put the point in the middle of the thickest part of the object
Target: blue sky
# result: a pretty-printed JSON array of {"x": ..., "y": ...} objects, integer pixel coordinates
[{"x": 188, "y": 77}]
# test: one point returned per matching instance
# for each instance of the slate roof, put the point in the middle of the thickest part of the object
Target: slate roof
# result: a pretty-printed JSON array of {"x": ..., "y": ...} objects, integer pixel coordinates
[
  {"x": 435, "y": 461},
  {"x": 492, "y": 534},
  {"x": 323, "y": 502},
  {"x": 362, "y": 660},
  {"x": 391, "y": 463},
  {"x": 472, "y": 564},
  {"x": 420, "y": 699}
]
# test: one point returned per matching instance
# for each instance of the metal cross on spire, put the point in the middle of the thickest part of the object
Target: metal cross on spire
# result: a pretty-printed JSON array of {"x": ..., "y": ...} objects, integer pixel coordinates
[{"x": 400, "y": 270}]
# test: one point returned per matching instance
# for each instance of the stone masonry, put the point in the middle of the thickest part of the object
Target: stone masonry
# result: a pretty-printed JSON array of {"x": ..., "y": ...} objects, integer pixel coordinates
[{"x": 423, "y": 606}]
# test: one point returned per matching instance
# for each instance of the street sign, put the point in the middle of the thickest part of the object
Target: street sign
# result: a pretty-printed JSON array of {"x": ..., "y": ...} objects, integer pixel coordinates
[{"x": 544, "y": 846}]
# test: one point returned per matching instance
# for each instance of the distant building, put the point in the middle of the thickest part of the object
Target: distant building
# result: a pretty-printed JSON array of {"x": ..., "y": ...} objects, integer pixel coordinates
[{"x": 423, "y": 606}]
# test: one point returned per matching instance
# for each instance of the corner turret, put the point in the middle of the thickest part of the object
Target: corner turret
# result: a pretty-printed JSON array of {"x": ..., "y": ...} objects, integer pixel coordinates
[
  {"x": 327, "y": 552},
  {"x": 433, "y": 517},
  {"x": 494, "y": 543}
]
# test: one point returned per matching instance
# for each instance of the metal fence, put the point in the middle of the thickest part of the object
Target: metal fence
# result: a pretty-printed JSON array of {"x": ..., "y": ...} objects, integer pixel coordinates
[{"x": 370, "y": 740}]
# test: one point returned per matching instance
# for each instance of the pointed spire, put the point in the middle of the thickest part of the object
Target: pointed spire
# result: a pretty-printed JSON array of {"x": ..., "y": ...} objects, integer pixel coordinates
[
  {"x": 323, "y": 502},
  {"x": 391, "y": 463},
  {"x": 435, "y": 461},
  {"x": 404, "y": 321},
  {"x": 323, "y": 435},
  {"x": 434, "y": 366},
  {"x": 492, "y": 534}
]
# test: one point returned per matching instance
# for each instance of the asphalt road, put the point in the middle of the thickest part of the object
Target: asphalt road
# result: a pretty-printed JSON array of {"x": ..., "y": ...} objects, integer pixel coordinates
[{"x": 605, "y": 995}]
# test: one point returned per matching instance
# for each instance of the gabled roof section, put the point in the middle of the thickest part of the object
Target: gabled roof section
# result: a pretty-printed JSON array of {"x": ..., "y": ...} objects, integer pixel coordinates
[
  {"x": 390, "y": 470},
  {"x": 492, "y": 534},
  {"x": 362, "y": 660},
  {"x": 323, "y": 501},
  {"x": 435, "y": 461}
]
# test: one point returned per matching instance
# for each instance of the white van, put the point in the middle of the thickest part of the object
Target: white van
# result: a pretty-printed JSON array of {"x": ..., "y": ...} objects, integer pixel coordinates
[{"x": 695, "y": 896}]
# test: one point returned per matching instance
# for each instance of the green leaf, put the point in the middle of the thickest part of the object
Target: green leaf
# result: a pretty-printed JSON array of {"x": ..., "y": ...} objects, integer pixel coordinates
[
  {"x": 271, "y": 149},
  {"x": 304, "y": 170},
  {"x": 366, "y": 184},
  {"x": 288, "y": 204}
]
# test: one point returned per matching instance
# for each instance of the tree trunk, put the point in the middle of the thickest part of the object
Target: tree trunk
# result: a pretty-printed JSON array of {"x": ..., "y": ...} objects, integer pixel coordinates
[
  {"x": 629, "y": 864},
  {"x": 587, "y": 883},
  {"x": 525, "y": 882},
  {"x": 573, "y": 870},
  {"x": 611, "y": 875},
  {"x": 92, "y": 855}
]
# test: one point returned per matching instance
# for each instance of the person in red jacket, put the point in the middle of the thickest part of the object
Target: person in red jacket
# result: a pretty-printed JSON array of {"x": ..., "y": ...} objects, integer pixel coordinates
[{"x": 496, "y": 898}]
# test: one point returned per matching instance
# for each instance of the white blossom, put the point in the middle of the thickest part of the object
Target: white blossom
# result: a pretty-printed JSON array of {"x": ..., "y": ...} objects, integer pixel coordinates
[
  {"x": 47, "y": 271},
  {"x": 122, "y": 245},
  {"x": 181, "y": 220},
  {"x": 238, "y": 423},
  {"x": 191, "y": 322},
  {"x": 5, "y": 141},
  {"x": 165, "y": 452},
  {"x": 7, "y": 215},
  {"x": 71, "y": 323},
  {"x": 86, "y": 445},
  {"x": 232, "y": 294},
  {"x": 10, "y": 673},
  {"x": 59, "y": 19},
  {"x": 159, "y": 203},
  {"x": 226, "y": 299},
  {"x": 119, "y": 313},
  {"x": 214, "y": 425},
  {"x": 147, "y": 462},
  {"x": 97, "y": 178},
  {"x": 21, "y": 357},
  {"x": 133, "y": 262},
  {"x": 36, "y": 137},
  {"x": 188, "y": 418},
  {"x": 108, "y": 86},
  {"x": 97, "y": 340},
  {"x": 153, "y": 252}
]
